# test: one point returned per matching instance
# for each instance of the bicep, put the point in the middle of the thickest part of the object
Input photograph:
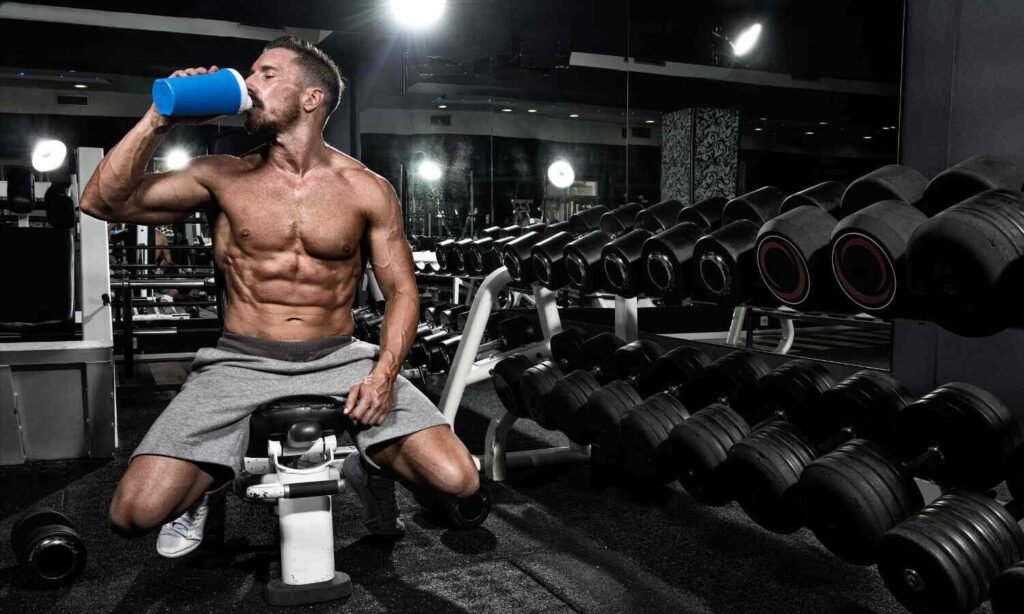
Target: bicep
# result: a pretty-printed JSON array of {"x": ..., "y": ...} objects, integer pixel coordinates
[{"x": 164, "y": 198}]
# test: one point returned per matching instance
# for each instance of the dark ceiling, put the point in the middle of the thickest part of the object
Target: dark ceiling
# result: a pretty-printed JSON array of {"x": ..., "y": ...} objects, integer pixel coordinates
[{"x": 521, "y": 48}]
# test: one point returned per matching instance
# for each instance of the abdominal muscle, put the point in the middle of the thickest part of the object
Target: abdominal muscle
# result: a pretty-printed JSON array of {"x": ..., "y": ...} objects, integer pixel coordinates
[{"x": 289, "y": 296}]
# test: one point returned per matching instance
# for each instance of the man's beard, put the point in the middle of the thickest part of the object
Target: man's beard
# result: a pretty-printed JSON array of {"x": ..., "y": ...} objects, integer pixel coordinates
[{"x": 258, "y": 122}]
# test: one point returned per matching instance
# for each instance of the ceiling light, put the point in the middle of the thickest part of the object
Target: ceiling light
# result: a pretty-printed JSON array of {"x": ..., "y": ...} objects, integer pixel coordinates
[
  {"x": 758, "y": 129},
  {"x": 560, "y": 174},
  {"x": 442, "y": 106},
  {"x": 822, "y": 123},
  {"x": 48, "y": 155},
  {"x": 417, "y": 14},
  {"x": 649, "y": 121},
  {"x": 177, "y": 159},
  {"x": 429, "y": 170},
  {"x": 81, "y": 86},
  {"x": 809, "y": 133},
  {"x": 746, "y": 41},
  {"x": 506, "y": 110},
  {"x": 531, "y": 110},
  {"x": 867, "y": 138},
  {"x": 574, "y": 115}
]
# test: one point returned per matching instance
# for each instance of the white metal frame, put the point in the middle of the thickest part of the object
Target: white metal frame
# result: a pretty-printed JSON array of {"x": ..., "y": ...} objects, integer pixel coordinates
[{"x": 465, "y": 370}]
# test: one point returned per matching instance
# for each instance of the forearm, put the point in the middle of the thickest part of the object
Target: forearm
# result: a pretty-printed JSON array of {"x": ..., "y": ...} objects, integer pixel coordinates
[
  {"x": 397, "y": 332},
  {"x": 120, "y": 172}
]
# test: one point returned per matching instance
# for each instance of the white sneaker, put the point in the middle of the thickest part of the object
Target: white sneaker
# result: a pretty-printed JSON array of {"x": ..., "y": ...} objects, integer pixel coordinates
[
  {"x": 377, "y": 494},
  {"x": 184, "y": 534}
]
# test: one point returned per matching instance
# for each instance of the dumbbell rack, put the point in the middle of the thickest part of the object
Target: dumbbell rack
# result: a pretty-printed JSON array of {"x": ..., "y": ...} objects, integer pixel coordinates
[{"x": 465, "y": 370}]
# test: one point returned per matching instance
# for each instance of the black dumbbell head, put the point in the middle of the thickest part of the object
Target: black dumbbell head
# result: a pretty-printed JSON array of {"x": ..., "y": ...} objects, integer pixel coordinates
[
  {"x": 852, "y": 495},
  {"x": 586, "y": 220},
  {"x": 945, "y": 557},
  {"x": 699, "y": 447},
  {"x": 827, "y": 196},
  {"x": 867, "y": 252},
  {"x": 659, "y": 217},
  {"x": 793, "y": 257},
  {"x": 968, "y": 178},
  {"x": 706, "y": 214},
  {"x": 763, "y": 468},
  {"x": 726, "y": 264},
  {"x": 668, "y": 261},
  {"x": 644, "y": 438},
  {"x": 758, "y": 206},
  {"x": 623, "y": 263},
  {"x": 966, "y": 262},
  {"x": 583, "y": 261},
  {"x": 892, "y": 182},
  {"x": 549, "y": 260}
]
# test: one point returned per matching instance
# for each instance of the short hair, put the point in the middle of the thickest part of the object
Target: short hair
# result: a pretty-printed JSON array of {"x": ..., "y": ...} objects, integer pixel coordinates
[{"x": 318, "y": 66}]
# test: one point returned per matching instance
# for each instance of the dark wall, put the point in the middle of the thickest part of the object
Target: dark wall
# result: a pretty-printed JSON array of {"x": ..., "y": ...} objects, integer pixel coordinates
[{"x": 962, "y": 96}]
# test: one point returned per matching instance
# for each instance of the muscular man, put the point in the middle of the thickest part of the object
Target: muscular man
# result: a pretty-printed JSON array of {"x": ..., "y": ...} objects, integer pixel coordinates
[{"x": 287, "y": 234}]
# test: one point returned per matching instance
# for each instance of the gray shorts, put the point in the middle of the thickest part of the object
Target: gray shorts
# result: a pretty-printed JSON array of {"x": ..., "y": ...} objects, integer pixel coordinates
[{"x": 208, "y": 420}]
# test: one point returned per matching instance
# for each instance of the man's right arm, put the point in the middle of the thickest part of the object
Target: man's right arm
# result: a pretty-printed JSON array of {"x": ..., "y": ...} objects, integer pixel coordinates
[{"x": 121, "y": 191}]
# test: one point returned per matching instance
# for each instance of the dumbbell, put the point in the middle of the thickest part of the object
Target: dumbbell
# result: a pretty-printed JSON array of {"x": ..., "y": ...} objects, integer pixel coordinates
[
  {"x": 700, "y": 445},
  {"x": 623, "y": 258},
  {"x": 548, "y": 255},
  {"x": 668, "y": 255},
  {"x": 454, "y": 512},
  {"x": 484, "y": 255},
  {"x": 599, "y": 356},
  {"x": 515, "y": 255},
  {"x": 947, "y": 557},
  {"x": 766, "y": 465},
  {"x": 958, "y": 436},
  {"x": 589, "y": 413},
  {"x": 511, "y": 332},
  {"x": 965, "y": 264},
  {"x": 461, "y": 260},
  {"x": 870, "y": 247},
  {"x": 48, "y": 549},
  {"x": 645, "y": 430},
  {"x": 584, "y": 263},
  {"x": 1008, "y": 590}
]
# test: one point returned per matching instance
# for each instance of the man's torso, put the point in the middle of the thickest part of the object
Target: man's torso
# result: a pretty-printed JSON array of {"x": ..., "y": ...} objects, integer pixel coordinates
[{"x": 289, "y": 247}]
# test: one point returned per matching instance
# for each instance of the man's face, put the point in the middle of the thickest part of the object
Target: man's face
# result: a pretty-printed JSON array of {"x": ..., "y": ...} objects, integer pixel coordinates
[{"x": 275, "y": 84}]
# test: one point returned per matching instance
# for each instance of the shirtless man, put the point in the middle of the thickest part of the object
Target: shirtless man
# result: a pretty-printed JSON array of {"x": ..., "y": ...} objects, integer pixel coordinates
[{"x": 287, "y": 231}]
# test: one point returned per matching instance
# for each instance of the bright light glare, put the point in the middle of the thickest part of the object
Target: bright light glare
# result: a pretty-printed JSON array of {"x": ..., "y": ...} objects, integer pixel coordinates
[
  {"x": 429, "y": 170},
  {"x": 417, "y": 13},
  {"x": 177, "y": 159},
  {"x": 560, "y": 174},
  {"x": 48, "y": 155},
  {"x": 746, "y": 40}
]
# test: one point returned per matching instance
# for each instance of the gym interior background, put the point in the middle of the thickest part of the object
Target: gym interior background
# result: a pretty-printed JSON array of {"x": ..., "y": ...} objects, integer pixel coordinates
[{"x": 894, "y": 124}]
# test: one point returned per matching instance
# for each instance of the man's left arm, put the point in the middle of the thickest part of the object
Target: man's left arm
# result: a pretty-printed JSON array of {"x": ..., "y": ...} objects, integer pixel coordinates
[{"x": 370, "y": 400}]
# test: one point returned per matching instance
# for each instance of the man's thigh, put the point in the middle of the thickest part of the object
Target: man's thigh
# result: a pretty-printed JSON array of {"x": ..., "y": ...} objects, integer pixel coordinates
[{"x": 157, "y": 488}]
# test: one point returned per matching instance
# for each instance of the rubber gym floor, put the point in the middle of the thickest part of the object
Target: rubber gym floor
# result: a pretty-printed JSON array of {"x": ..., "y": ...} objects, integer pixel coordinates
[{"x": 557, "y": 540}]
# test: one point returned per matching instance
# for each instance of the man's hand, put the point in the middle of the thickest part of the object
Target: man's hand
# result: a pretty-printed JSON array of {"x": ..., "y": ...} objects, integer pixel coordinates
[
  {"x": 369, "y": 401},
  {"x": 165, "y": 123}
]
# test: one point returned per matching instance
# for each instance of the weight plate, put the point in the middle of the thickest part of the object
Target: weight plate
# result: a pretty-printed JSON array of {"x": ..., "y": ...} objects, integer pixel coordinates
[
  {"x": 700, "y": 445},
  {"x": 507, "y": 375},
  {"x": 565, "y": 402}
]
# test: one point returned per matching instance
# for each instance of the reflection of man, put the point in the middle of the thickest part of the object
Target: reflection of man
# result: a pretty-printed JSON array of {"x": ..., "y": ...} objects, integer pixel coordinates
[{"x": 287, "y": 234}]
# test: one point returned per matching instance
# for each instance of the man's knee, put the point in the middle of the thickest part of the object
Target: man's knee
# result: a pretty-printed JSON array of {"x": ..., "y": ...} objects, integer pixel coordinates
[
  {"x": 458, "y": 479},
  {"x": 131, "y": 515}
]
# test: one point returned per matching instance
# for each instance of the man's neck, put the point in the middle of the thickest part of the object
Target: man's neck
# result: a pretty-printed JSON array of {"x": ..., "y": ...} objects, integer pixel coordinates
[{"x": 297, "y": 151}]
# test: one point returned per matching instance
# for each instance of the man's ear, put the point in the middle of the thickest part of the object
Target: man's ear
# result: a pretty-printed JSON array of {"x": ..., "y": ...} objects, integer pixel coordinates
[{"x": 312, "y": 98}]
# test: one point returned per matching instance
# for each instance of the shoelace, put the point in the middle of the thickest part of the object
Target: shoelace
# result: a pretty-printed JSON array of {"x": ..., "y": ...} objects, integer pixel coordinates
[{"x": 184, "y": 524}]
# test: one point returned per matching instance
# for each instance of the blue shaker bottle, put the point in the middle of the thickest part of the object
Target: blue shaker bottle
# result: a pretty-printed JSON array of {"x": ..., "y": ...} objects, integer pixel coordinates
[{"x": 218, "y": 93}]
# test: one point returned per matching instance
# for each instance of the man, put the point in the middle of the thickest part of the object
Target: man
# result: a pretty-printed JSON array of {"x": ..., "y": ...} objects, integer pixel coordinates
[{"x": 287, "y": 228}]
